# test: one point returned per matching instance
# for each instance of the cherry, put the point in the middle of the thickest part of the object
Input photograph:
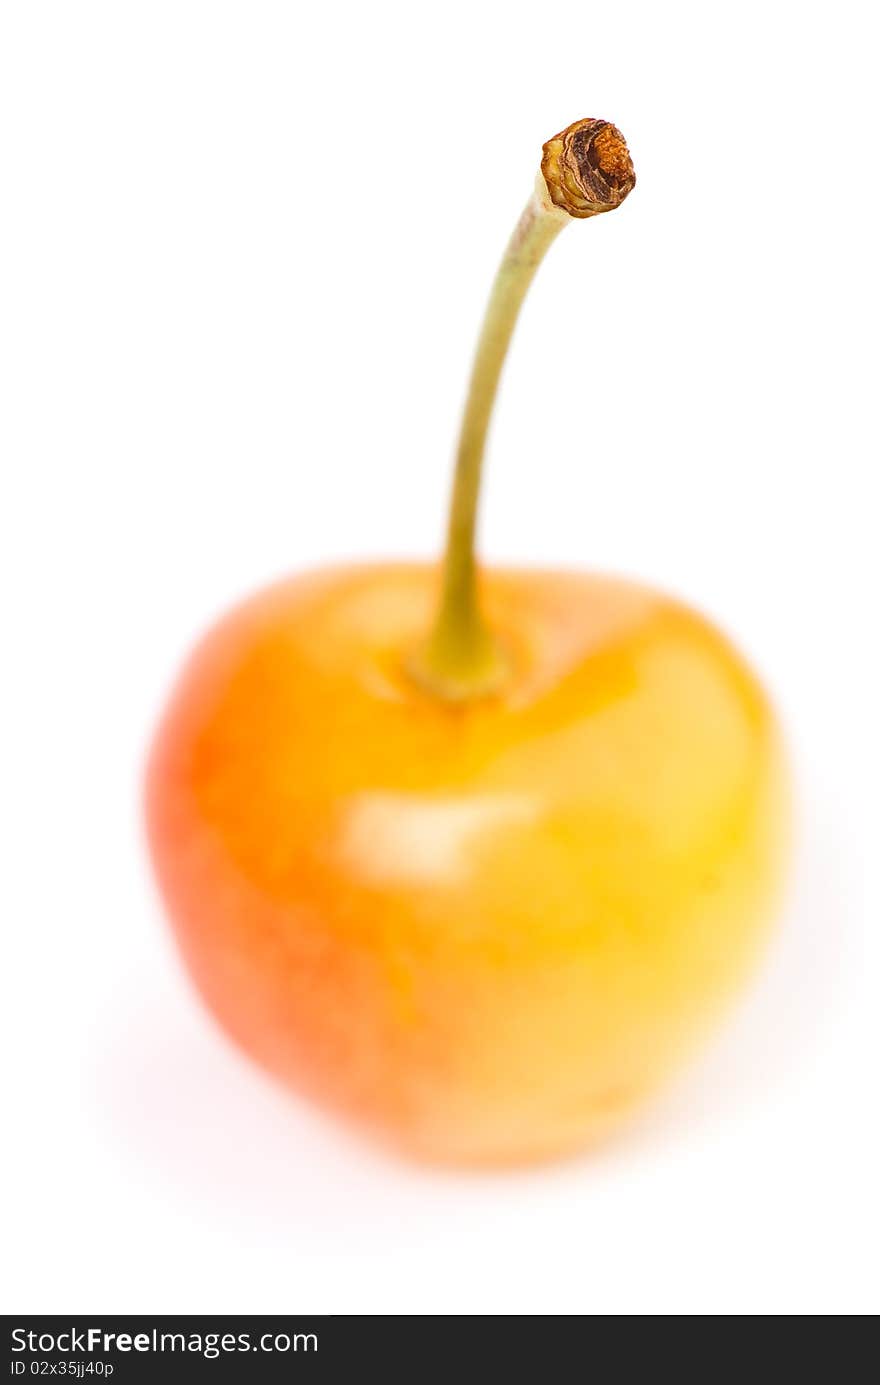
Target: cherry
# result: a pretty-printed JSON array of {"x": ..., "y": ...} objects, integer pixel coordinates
[{"x": 475, "y": 859}]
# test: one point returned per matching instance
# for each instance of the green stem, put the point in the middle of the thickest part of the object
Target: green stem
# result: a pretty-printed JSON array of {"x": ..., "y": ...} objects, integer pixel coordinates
[{"x": 461, "y": 658}]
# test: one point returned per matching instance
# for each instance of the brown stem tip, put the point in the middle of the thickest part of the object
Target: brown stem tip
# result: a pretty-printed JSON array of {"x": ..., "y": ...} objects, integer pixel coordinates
[{"x": 587, "y": 168}]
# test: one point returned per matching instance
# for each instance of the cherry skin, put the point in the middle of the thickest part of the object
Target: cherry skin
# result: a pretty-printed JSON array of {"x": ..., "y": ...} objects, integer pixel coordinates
[{"x": 486, "y": 930}]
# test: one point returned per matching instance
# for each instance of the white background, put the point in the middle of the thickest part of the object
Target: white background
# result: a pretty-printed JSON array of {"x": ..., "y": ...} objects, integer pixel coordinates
[{"x": 245, "y": 247}]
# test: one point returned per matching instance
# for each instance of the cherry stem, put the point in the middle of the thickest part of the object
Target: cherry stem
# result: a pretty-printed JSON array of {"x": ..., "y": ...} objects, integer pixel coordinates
[
  {"x": 461, "y": 658},
  {"x": 585, "y": 170}
]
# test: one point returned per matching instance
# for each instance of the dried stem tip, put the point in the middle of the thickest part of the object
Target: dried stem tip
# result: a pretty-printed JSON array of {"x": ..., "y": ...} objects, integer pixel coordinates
[{"x": 587, "y": 168}]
